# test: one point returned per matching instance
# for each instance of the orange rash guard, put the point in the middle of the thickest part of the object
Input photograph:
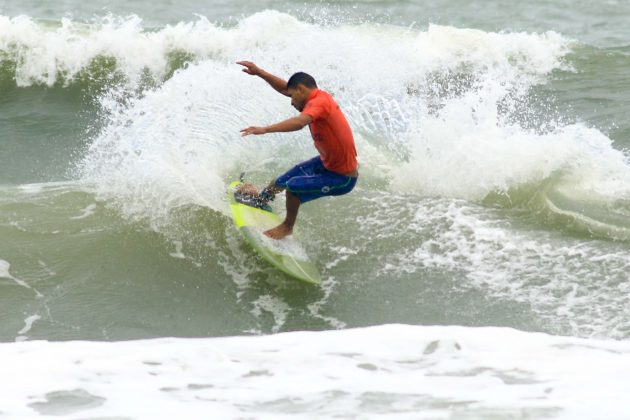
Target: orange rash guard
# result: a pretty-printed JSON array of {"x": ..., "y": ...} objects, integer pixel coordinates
[{"x": 331, "y": 133}]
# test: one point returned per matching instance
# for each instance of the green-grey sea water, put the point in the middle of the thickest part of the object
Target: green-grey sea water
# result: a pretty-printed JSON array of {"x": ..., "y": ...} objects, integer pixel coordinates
[{"x": 492, "y": 138}]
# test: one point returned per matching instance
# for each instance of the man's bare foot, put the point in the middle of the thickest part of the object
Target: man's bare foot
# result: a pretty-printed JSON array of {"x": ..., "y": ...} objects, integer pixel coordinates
[{"x": 279, "y": 232}]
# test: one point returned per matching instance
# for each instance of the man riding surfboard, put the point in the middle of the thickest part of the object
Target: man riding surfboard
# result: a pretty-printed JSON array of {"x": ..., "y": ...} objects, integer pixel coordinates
[{"x": 333, "y": 172}]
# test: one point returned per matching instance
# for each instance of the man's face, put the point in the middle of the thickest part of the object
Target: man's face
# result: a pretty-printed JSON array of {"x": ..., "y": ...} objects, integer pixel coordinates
[{"x": 299, "y": 95}]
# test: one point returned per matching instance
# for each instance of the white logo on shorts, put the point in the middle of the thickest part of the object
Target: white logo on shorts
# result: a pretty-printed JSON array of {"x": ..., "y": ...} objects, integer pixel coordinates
[{"x": 325, "y": 189}]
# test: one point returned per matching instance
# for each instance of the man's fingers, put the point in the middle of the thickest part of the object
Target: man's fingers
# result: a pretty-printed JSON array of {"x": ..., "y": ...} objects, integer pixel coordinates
[
  {"x": 250, "y": 68},
  {"x": 252, "y": 130}
]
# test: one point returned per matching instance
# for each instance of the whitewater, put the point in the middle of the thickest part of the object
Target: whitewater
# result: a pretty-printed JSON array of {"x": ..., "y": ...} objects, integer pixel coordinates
[{"x": 391, "y": 371}]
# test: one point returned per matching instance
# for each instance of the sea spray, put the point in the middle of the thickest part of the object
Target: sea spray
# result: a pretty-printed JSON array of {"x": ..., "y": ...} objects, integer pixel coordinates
[{"x": 177, "y": 144}]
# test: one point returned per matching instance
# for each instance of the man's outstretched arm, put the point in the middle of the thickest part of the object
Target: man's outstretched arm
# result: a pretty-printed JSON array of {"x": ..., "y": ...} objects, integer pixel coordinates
[
  {"x": 292, "y": 124},
  {"x": 274, "y": 81}
]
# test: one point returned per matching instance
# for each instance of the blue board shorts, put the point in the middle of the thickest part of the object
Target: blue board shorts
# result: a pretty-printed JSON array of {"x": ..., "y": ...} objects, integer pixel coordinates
[{"x": 310, "y": 180}]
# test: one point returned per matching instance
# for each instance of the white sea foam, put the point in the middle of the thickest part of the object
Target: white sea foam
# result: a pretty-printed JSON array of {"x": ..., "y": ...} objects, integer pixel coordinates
[
  {"x": 574, "y": 286},
  {"x": 87, "y": 212},
  {"x": 28, "y": 324},
  {"x": 286, "y": 246},
  {"x": 163, "y": 152},
  {"x": 178, "y": 250},
  {"x": 4, "y": 269},
  {"x": 468, "y": 151},
  {"x": 180, "y": 144},
  {"x": 274, "y": 306},
  {"x": 395, "y": 371},
  {"x": 5, "y": 273}
]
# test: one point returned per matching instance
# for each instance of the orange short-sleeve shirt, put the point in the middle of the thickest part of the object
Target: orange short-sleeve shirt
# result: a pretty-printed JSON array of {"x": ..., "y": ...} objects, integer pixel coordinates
[{"x": 331, "y": 133}]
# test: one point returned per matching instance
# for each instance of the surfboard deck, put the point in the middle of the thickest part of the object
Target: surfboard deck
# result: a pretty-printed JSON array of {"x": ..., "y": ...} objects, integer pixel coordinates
[{"x": 286, "y": 255}]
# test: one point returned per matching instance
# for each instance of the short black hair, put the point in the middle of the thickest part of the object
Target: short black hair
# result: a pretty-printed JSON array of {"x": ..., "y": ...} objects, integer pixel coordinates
[{"x": 301, "y": 78}]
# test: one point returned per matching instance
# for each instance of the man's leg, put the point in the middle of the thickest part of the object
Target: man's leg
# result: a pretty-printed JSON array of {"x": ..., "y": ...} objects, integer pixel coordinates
[
  {"x": 304, "y": 169},
  {"x": 269, "y": 192},
  {"x": 286, "y": 227}
]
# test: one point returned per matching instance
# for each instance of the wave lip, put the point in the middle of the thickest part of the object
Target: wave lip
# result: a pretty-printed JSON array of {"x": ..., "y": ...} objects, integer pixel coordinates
[
  {"x": 49, "y": 52},
  {"x": 583, "y": 210},
  {"x": 45, "y": 53},
  {"x": 530, "y": 53}
]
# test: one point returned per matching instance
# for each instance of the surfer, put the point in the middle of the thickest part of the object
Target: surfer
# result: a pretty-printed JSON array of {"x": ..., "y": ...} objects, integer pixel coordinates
[{"x": 333, "y": 172}]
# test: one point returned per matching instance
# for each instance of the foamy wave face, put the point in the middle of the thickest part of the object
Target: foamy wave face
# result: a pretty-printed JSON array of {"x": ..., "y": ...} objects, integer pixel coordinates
[
  {"x": 572, "y": 286},
  {"x": 423, "y": 105}
]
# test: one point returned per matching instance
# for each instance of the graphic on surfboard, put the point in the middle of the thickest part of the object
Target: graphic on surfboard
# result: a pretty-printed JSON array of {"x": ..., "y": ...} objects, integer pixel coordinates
[{"x": 286, "y": 254}]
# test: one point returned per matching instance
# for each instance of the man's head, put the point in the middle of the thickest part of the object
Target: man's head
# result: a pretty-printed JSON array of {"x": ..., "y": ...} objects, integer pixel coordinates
[{"x": 299, "y": 88}]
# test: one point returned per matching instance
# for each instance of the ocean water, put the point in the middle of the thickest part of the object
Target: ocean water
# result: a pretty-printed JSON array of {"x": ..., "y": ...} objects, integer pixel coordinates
[{"x": 480, "y": 269}]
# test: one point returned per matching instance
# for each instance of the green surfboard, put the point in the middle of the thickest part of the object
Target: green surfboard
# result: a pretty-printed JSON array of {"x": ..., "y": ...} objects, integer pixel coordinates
[{"x": 286, "y": 255}]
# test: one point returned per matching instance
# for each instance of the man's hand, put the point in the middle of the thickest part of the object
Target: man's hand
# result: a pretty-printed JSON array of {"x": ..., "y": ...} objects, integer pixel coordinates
[
  {"x": 250, "y": 68},
  {"x": 253, "y": 130},
  {"x": 292, "y": 124},
  {"x": 275, "y": 82}
]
